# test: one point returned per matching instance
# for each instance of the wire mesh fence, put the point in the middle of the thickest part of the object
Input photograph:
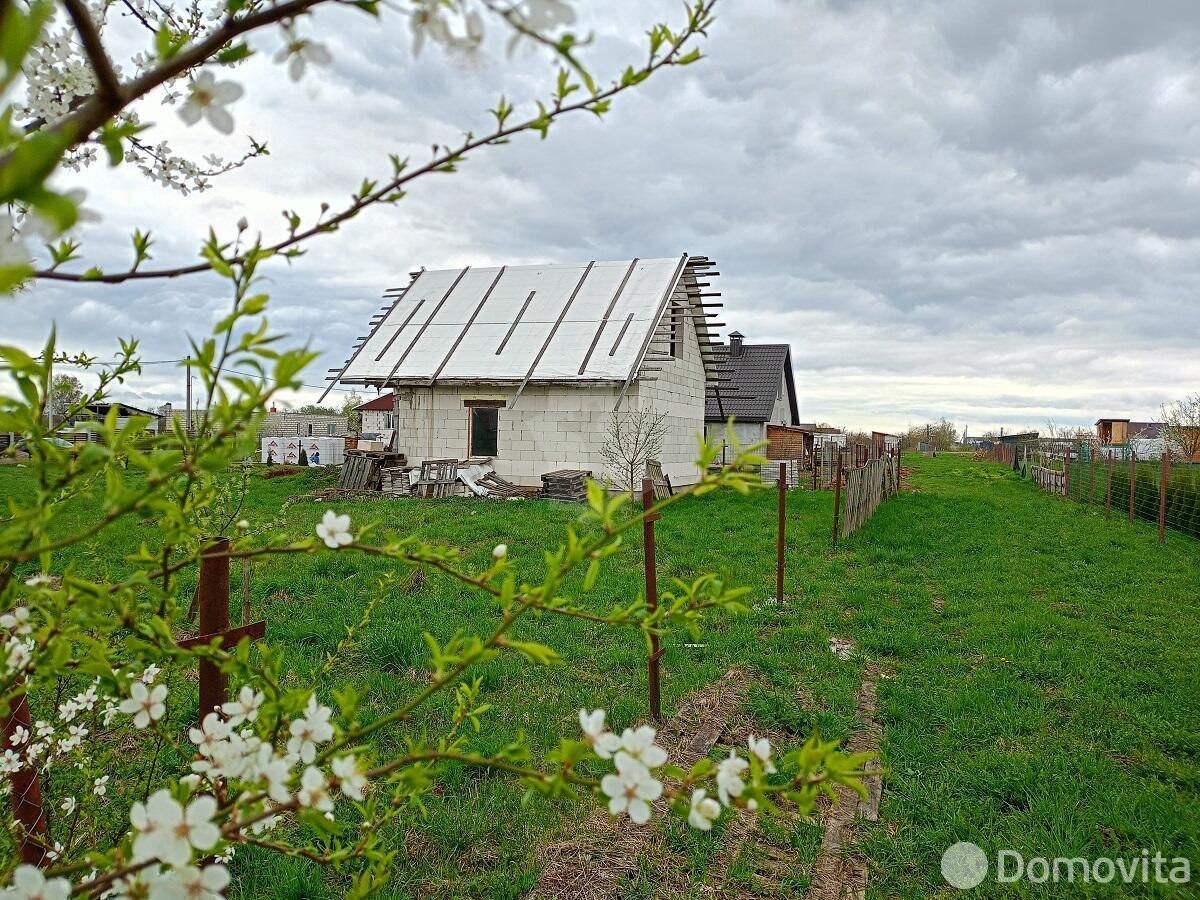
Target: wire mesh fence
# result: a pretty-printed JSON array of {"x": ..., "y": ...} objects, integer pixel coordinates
[{"x": 1165, "y": 490}]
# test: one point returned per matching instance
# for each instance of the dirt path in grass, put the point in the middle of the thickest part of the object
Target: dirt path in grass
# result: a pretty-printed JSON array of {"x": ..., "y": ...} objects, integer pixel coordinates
[
  {"x": 606, "y": 852},
  {"x": 841, "y": 873}
]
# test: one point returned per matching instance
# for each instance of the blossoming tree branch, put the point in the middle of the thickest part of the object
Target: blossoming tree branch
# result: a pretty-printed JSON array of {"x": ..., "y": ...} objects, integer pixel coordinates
[{"x": 297, "y": 769}]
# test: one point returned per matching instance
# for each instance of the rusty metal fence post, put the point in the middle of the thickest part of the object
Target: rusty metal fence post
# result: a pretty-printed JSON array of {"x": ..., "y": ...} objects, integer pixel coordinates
[
  {"x": 1163, "y": 479},
  {"x": 214, "y": 620},
  {"x": 1091, "y": 498},
  {"x": 1108, "y": 490},
  {"x": 837, "y": 498},
  {"x": 212, "y": 595},
  {"x": 779, "y": 541},
  {"x": 1132, "y": 480},
  {"x": 651, "y": 596},
  {"x": 28, "y": 807}
]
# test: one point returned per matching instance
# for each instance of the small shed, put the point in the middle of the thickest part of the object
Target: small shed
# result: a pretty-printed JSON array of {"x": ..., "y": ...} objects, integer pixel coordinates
[{"x": 884, "y": 444}]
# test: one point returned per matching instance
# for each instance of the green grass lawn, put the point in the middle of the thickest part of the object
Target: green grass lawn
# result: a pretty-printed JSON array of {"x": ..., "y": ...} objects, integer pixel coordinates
[{"x": 1050, "y": 707}]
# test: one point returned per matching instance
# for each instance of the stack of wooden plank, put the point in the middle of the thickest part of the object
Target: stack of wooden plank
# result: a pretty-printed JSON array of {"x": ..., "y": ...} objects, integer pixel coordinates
[
  {"x": 505, "y": 490},
  {"x": 394, "y": 480},
  {"x": 566, "y": 484}
]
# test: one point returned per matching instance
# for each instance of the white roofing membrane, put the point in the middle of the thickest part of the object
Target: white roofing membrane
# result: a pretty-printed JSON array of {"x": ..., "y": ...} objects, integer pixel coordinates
[{"x": 462, "y": 334}]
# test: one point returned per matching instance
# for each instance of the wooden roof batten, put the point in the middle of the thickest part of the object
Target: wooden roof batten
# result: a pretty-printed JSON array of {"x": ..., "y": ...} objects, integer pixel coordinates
[
  {"x": 413, "y": 276},
  {"x": 549, "y": 323}
]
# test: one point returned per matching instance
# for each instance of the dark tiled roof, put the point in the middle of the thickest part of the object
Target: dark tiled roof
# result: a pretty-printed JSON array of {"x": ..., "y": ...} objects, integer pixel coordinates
[
  {"x": 1146, "y": 429},
  {"x": 753, "y": 385},
  {"x": 383, "y": 403}
]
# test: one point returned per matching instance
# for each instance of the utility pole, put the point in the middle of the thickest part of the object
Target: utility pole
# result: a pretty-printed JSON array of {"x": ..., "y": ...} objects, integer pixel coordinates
[
  {"x": 50, "y": 394},
  {"x": 187, "y": 409}
]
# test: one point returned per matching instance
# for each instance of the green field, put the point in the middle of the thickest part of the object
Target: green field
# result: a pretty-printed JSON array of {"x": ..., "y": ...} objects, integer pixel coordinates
[{"x": 1040, "y": 685}]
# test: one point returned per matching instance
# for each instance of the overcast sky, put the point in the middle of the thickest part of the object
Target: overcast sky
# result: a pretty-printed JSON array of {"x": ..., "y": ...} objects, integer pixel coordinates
[{"x": 979, "y": 210}]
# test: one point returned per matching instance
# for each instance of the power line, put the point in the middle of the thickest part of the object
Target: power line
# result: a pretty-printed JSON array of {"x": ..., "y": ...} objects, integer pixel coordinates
[{"x": 165, "y": 362}]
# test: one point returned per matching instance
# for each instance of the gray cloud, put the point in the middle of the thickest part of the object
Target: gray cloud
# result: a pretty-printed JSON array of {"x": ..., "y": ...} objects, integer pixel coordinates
[{"x": 979, "y": 210}]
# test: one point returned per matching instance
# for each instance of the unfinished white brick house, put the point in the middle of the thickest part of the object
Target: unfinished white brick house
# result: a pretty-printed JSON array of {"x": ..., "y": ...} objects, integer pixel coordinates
[{"x": 527, "y": 364}]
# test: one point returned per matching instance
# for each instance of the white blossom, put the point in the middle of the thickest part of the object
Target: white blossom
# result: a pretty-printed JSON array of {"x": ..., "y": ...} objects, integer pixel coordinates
[
  {"x": 168, "y": 832},
  {"x": 603, "y": 742},
  {"x": 30, "y": 884},
  {"x": 10, "y": 761},
  {"x": 244, "y": 708},
  {"x": 273, "y": 770},
  {"x": 17, "y": 621},
  {"x": 18, "y": 653},
  {"x": 68, "y": 805},
  {"x": 150, "y": 673},
  {"x": 427, "y": 20},
  {"x": 264, "y": 824},
  {"x": 13, "y": 252},
  {"x": 309, "y": 730},
  {"x": 729, "y": 777},
  {"x": 207, "y": 99},
  {"x": 351, "y": 779},
  {"x": 191, "y": 883},
  {"x": 212, "y": 731},
  {"x": 313, "y": 791},
  {"x": 100, "y": 786},
  {"x": 146, "y": 705},
  {"x": 500, "y": 551},
  {"x": 298, "y": 52},
  {"x": 334, "y": 530},
  {"x": 704, "y": 810},
  {"x": 631, "y": 789},
  {"x": 639, "y": 744},
  {"x": 19, "y": 735},
  {"x": 761, "y": 748},
  {"x": 46, "y": 229}
]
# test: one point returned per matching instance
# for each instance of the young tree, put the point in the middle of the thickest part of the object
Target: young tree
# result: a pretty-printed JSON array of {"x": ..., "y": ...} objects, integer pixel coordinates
[
  {"x": 353, "y": 416},
  {"x": 65, "y": 394},
  {"x": 99, "y": 655},
  {"x": 1182, "y": 426},
  {"x": 633, "y": 437}
]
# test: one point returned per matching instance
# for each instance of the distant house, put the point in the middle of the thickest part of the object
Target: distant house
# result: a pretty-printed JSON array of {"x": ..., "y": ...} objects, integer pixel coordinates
[
  {"x": 755, "y": 385},
  {"x": 378, "y": 415},
  {"x": 1021, "y": 437},
  {"x": 125, "y": 411},
  {"x": 526, "y": 365},
  {"x": 884, "y": 443},
  {"x": 293, "y": 424},
  {"x": 1146, "y": 439}
]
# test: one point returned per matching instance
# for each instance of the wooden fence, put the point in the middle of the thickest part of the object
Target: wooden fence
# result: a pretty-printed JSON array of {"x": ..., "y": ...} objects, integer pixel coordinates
[
  {"x": 1053, "y": 480},
  {"x": 863, "y": 489}
]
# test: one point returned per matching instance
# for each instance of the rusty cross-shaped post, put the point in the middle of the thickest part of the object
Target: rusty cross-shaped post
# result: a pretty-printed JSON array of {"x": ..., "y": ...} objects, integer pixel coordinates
[{"x": 213, "y": 594}]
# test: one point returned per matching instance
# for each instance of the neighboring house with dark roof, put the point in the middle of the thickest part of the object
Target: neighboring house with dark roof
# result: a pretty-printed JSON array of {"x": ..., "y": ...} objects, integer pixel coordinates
[
  {"x": 378, "y": 415},
  {"x": 756, "y": 387}
]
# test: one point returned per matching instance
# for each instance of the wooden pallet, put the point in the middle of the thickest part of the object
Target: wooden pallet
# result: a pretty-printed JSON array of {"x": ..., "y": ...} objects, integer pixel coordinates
[
  {"x": 566, "y": 484},
  {"x": 438, "y": 478},
  {"x": 662, "y": 481},
  {"x": 360, "y": 472}
]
